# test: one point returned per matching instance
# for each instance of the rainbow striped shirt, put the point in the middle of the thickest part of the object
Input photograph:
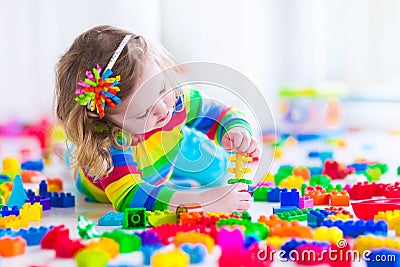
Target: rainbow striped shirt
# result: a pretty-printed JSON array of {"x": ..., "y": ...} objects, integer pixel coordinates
[{"x": 141, "y": 170}]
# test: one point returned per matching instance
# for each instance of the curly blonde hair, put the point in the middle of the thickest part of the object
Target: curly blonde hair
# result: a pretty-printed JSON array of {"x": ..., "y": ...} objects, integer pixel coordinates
[{"x": 91, "y": 135}]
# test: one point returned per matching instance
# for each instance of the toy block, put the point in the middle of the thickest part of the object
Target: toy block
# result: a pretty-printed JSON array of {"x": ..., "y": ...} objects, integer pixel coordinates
[
  {"x": 175, "y": 258},
  {"x": 148, "y": 238},
  {"x": 369, "y": 242},
  {"x": 294, "y": 244},
  {"x": 6, "y": 211},
  {"x": 261, "y": 193},
  {"x": 361, "y": 190},
  {"x": 33, "y": 165},
  {"x": 373, "y": 174},
  {"x": 322, "y": 180},
  {"x": 318, "y": 194},
  {"x": 359, "y": 166},
  {"x": 329, "y": 188},
  {"x": 273, "y": 221},
  {"x": 339, "y": 216},
  {"x": 339, "y": 210},
  {"x": 87, "y": 228},
  {"x": 53, "y": 236},
  {"x": 334, "y": 170},
  {"x": 389, "y": 216},
  {"x": 148, "y": 251},
  {"x": 92, "y": 257},
  {"x": 332, "y": 234},
  {"x": 194, "y": 238},
  {"x": 340, "y": 198},
  {"x": 293, "y": 229},
  {"x": 378, "y": 189},
  {"x": 306, "y": 202},
  {"x": 290, "y": 198},
  {"x": 274, "y": 195},
  {"x": 134, "y": 218},
  {"x": 13, "y": 222},
  {"x": 44, "y": 201},
  {"x": 383, "y": 167},
  {"x": 294, "y": 215},
  {"x": 33, "y": 235},
  {"x": 190, "y": 217},
  {"x": 357, "y": 228},
  {"x": 276, "y": 210},
  {"x": 111, "y": 219},
  {"x": 32, "y": 212},
  {"x": 235, "y": 181},
  {"x": 108, "y": 245},
  {"x": 197, "y": 253},
  {"x": 393, "y": 191},
  {"x": 316, "y": 217},
  {"x": 10, "y": 247},
  {"x": 187, "y": 208},
  {"x": 239, "y": 170},
  {"x": 54, "y": 184},
  {"x": 43, "y": 188},
  {"x": 18, "y": 195},
  {"x": 291, "y": 182},
  {"x": 322, "y": 155},
  {"x": 304, "y": 172},
  {"x": 29, "y": 176},
  {"x": 127, "y": 242},
  {"x": 68, "y": 248},
  {"x": 11, "y": 167},
  {"x": 61, "y": 200}
]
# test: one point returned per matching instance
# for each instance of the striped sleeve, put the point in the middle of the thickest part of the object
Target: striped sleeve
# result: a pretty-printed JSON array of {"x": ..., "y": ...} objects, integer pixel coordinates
[
  {"x": 125, "y": 188},
  {"x": 212, "y": 117}
]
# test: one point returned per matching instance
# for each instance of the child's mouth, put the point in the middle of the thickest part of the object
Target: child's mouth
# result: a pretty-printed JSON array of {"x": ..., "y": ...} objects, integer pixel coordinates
[{"x": 164, "y": 118}]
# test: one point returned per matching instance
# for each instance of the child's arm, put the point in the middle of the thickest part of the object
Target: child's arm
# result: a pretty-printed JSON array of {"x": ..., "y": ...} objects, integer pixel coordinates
[{"x": 225, "y": 125}]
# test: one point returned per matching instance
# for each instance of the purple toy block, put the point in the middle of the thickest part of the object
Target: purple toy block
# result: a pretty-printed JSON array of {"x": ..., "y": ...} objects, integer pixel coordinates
[
  {"x": 44, "y": 201},
  {"x": 306, "y": 202}
]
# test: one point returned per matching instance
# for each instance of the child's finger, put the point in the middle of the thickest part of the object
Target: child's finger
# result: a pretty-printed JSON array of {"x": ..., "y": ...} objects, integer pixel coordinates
[
  {"x": 241, "y": 187},
  {"x": 244, "y": 205},
  {"x": 227, "y": 144},
  {"x": 245, "y": 196},
  {"x": 246, "y": 141},
  {"x": 252, "y": 147}
]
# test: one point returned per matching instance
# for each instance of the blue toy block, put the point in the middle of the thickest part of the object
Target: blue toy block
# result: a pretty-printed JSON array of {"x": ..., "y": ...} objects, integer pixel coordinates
[
  {"x": 314, "y": 171},
  {"x": 276, "y": 210},
  {"x": 292, "y": 244},
  {"x": 383, "y": 258},
  {"x": 44, "y": 201},
  {"x": 61, "y": 200},
  {"x": 290, "y": 198},
  {"x": 324, "y": 155},
  {"x": 360, "y": 227},
  {"x": 33, "y": 235},
  {"x": 34, "y": 165},
  {"x": 30, "y": 193},
  {"x": 43, "y": 188},
  {"x": 6, "y": 211},
  {"x": 18, "y": 195},
  {"x": 4, "y": 178},
  {"x": 315, "y": 218},
  {"x": 7, "y": 232},
  {"x": 197, "y": 253},
  {"x": 274, "y": 195},
  {"x": 148, "y": 251},
  {"x": 359, "y": 166},
  {"x": 111, "y": 219}
]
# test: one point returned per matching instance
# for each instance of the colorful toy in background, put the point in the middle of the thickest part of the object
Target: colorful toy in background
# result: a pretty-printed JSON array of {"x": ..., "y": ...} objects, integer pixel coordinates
[{"x": 311, "y": 112}]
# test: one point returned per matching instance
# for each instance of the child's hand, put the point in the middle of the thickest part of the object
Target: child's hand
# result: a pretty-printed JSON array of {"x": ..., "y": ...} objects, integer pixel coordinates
[
  {"x": 238, "y": 139},
  {"x": 226, "y": 198}
]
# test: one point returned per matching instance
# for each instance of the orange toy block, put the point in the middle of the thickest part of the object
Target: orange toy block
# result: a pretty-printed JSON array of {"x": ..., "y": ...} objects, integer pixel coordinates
[
  {"x": 107, "y": 245},
  {"x": 29, "y": 176},
  {"x": 190, "y": 217},
  {"x": 54, "y": 185},
  {"x": 194, "y": 238},
  {"x": 31, "y": 212},
  {"x": 13, "y": 246},
  {"x": 293, "y": 229},
  {"x": 340, "y": 198},
  {"x": 273, "y": 221},
  {"x": 303, "y": 172},
  {"x": 320, "y": 196}
]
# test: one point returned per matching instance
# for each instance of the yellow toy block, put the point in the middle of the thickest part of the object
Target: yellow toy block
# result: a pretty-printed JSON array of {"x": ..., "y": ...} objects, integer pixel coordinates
[
  {"x": 276, "y": 242},
  {"x": 218, "y": 214},
  {"x": 31, "y": 212},
  {"x": 339, "y": 216},
  {"x": 159, "y": 217},
  {"x": 368, "y": 242},
  {"x": 331, "y": 234},
  {"x": 108, "y": 245},
  {"x": 175, "y": 258},
  {"x": 11, "y": 167},
  {"x": 239, "y": 170},
  {"x": 194, "y": 238},
  {"x": 13, "y": 222},
  {"x": 391, "y": 217},
  {"x": 292, "y": 182},
  {"x": 269, "y": 177}
]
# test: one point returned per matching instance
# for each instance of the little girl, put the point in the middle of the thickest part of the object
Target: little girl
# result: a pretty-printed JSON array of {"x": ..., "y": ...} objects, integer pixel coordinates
[{"x": 129, "y": 132}]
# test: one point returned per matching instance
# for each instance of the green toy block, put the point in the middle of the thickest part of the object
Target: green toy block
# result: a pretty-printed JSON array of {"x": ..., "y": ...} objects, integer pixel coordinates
[
  {"x": 261, "y": 193},
  {"x": 381, "y": 166},
  {"x": 127, "y": 242},
  {"x": 329, "y": 188},
  {"x": 294, "y": 215},
  {"x": 398, "y": 170},
  {"x": 160, "y": 217},
  {"x": 235, "y": 181},
  {"x": 303, "y": 188},
  {"x": 283, "y": 173},
  {"x": 134, "y": 218},
  {"x": 87, "y": 228},
  {"x": 245, "y": 216},
  {"x": 373, "y": 174},
  {"x": 322, "y": 180},
  {"x": 257, "y": 230},
  {"x": 92, "y": 257}
]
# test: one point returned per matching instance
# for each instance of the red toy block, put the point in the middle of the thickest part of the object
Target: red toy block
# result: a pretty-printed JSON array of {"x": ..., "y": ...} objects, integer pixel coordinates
[
  {"x": 361, "y": 190},
  {"x": 393, "y": 191},
  {"x": 10, "y": 247},
  {"x": 378, "y": 189},
  {"x": 333, "y": 170},
  {"x": 67, "y": 248},
  {"x": 340, "y": 198},
  {"x": 340, "y": 210},
  {"x": 54, "y": 236}
]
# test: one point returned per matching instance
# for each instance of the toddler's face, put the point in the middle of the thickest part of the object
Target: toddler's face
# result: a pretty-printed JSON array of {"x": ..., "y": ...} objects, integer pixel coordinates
[{"x": 150, "y": 106}]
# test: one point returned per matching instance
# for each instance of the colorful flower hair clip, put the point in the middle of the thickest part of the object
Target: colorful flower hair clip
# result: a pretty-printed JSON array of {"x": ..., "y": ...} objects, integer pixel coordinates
[{"x": 97, "y": 91}]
